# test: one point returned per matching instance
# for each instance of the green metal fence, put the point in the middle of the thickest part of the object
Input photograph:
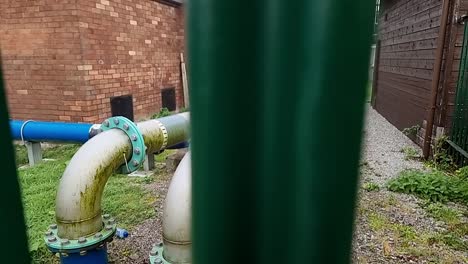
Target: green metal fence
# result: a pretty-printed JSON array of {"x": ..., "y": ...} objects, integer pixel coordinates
[
  {"x": 13, "y": 248},
  {"x": 459, "y": 133},
  {"x": 277, "y": 100}
]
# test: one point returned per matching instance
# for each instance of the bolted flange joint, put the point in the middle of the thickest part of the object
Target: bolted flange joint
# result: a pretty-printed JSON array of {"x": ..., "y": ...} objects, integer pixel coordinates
[
  {"x": 81, "y": 245},
  {"x": 156, "y": 254},
  {"x": 137, "y": 156}
]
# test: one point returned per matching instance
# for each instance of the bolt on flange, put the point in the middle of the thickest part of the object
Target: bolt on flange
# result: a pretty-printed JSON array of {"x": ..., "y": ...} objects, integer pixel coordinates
[{"x": 82, "y": 244}]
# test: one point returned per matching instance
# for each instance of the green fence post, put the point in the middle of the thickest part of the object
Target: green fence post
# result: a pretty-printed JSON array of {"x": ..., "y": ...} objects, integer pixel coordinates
[
  {"x": 277, "y": 99},
  {"x": 13, "y": 246}
]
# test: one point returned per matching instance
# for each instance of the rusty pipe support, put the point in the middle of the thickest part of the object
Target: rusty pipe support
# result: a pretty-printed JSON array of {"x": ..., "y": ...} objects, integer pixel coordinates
[
  {"x": 435, "y": 79},
  {"x": 78, "y": 201}
]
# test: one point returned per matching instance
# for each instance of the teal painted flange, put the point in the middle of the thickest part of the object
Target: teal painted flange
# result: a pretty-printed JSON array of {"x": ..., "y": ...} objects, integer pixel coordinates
[
  {"x": 156, "y": 255},
  {"x": 82, "y": 244},
  {"x": 138, "y": 144}
]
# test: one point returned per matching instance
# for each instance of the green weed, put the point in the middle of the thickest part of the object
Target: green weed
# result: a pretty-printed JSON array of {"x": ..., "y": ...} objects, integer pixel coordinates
[
  {"x": 435, "y": 186},
  {"x": 162, "y": 113},
  {"x": 21, "y": 155},
  {"x": 371, "y": 186},
  {"x": 441, "y": 159},
  {"x": 411, "y": 131},
  {"x": 410, "y": 153}
]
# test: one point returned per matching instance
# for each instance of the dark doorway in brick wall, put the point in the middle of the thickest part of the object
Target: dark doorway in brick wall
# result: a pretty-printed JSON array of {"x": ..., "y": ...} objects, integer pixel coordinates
[
  {"x": 168, "y": 98},
  {"x": 122, "y": 106}
]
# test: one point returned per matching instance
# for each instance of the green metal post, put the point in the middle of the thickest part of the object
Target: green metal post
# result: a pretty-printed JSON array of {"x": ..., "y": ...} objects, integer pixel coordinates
[
  {"x": 14, "y": 245},
  {"x": 277, "y": 90}
]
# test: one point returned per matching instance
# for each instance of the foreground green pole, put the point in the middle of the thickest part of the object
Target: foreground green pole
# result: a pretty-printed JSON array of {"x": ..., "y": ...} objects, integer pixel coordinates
[
  {"x": 13, "y": 245},
  {"x": 277, "y": 90}
]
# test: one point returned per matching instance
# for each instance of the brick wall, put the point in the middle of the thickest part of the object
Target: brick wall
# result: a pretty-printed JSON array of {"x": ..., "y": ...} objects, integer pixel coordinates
[{"x": 64, "y": 60}]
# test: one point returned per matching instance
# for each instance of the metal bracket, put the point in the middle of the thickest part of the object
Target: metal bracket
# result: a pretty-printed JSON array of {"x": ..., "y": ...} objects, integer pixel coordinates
[
  {"x": 461, "y": 19},
  {"x": 34, "y": 152},
  {"x": 136, "y": 138},
  {"x": 156, "y": 255},
  {"x": 82, "y": 244}
]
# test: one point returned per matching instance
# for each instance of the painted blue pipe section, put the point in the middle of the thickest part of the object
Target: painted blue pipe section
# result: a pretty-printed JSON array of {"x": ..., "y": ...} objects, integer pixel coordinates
[
  {"x": 50, "y": 131},
  {"x": 94, "y": 256},
  {"x": 60, "y": 132}
]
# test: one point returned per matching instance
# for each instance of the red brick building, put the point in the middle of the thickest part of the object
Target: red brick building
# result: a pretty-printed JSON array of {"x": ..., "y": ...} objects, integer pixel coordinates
[{"x": 64, "y": 59}]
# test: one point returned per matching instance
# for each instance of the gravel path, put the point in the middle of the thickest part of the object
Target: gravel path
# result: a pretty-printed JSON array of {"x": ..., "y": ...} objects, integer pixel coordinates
[{"x": 382, "y": 148}]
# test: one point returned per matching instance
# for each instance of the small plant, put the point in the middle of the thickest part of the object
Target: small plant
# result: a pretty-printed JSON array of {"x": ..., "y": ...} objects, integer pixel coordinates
[
  {"x": 452, "y": 240},
  {"x": 370, "y": 187},
  {"x": 434, "y": 186},
  {"x": 184, "y": 109},
  {"x": 392, "y": 200},
  {"x": 410, "y": 153},
  {"x": 462, "y": 173},
  {"x": 411, "y": 131},
  {"x": 441, "y": 159},
  {"x": 162, "y": 113}
]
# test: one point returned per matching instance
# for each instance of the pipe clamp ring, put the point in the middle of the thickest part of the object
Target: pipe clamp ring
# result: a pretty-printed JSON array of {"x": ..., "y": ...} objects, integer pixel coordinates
[
  {"x": 138, "y": 154},
  {"x": 164, "y": 132}
]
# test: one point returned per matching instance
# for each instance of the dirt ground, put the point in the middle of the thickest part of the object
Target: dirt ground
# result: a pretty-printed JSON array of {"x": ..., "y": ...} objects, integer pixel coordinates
[{"x": 136, "y": 247}]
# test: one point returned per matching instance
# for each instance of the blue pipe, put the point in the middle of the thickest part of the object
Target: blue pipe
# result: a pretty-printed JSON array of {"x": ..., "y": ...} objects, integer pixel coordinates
[
  {"x": 60, "y": 132},
  {"x": 51, "y": 131}
]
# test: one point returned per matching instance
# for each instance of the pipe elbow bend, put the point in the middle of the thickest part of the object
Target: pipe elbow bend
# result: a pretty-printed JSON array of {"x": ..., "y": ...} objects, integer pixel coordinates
[{"x": 177, "y": 216}]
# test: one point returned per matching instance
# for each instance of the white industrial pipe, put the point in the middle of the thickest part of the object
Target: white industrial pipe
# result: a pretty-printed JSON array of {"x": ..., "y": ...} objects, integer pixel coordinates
[
  {"x": 78, "y": 202},
  {"x": 177, "y": 217}
]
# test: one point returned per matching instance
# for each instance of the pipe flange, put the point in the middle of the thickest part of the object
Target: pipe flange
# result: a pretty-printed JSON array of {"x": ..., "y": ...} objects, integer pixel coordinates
[
  {"x": 156, "y": 255},
  {"x": 136, "y": 138},
  {"x": 62, "y": 245}
]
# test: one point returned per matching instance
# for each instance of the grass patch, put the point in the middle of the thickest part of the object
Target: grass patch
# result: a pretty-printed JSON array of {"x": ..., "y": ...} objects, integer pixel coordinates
[
  {"x": 161, "y": 157},
  {"x": 456, "y": 230},
  {"x": 21, "y": 155},
  {"x": 435, "y": 186},
  {"x": 452, "y": 240},
  {"x": 377, "y": 222},
  {"x": 443, "y": 213},
  {"x": 127, "y": 201},
  {"x": 124, "y": 198},
  {"x": 409, "y": 241}
]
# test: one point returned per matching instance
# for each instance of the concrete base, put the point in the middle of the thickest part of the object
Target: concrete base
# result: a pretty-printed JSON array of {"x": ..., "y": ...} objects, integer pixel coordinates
[
  {"x": 148, "y": 165},
  {"x": 140, "y": 173},
  {"x": 34, "y": 152}
]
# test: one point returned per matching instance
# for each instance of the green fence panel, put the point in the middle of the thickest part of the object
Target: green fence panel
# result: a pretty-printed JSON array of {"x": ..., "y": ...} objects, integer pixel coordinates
[
  {"x": 277, "y": 93},
  {"x": 459, "y": 131}
]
